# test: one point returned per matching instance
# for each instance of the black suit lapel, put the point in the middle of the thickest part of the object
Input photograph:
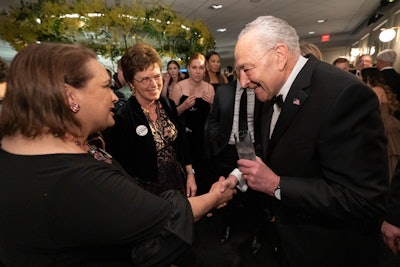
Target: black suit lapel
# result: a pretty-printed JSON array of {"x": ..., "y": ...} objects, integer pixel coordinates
[{"x": 295, "y": 99}]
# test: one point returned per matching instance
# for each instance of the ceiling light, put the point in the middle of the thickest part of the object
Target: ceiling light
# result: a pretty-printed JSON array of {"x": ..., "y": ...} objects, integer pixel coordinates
[
  {"x": 387, "y": 35},
  {"x": 221, "y": 30},
  {"x": 322, "y": 20},
  {"x": 216, "y": 6},
  {"x": 311, "y": 32},
  {"x": 355, "y": 52}
]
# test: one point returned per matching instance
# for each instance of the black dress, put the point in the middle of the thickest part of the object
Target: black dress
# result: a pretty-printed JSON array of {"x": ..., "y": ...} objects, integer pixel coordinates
[
  {"x": 195, "y": 120},
  {"x": 74, "y": 210}
]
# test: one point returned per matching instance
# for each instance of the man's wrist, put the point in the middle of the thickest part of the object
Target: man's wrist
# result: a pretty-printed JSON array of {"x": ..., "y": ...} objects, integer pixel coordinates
[
  {"x": 191, "y": 171},
  {"x": 242, "y": 185},
  {"x": 277, "y": 193}
]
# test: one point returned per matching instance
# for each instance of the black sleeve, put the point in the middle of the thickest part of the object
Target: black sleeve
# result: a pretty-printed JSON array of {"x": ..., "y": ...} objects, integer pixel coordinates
[
  {"x": 393, "y": 209},
  {"x": 163, "y": 249},
  {"x": 109, "y": 209}
]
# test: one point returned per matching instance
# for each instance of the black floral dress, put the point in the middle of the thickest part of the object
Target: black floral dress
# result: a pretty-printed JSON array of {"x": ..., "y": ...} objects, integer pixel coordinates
[{"x": 170, "y": 172}]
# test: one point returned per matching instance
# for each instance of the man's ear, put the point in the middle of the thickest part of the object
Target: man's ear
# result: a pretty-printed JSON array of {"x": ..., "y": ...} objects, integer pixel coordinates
[{"x": 282, "y": 53}]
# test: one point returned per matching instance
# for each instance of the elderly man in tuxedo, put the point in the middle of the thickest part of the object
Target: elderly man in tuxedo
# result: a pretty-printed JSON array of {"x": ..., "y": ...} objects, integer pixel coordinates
[{"x": 324, "y": 160}]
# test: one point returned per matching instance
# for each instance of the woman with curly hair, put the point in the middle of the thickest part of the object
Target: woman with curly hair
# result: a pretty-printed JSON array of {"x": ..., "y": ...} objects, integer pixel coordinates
[{"x": 389, "y": 104}]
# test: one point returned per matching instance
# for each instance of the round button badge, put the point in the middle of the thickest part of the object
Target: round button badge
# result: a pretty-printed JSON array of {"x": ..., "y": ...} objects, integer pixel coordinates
[{"x": 141, "y": 130}]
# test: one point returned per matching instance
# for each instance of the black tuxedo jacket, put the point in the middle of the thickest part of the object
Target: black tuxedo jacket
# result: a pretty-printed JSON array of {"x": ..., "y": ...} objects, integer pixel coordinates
[
  {"x": 329, "y": 149},
  {"x": 221, "y": 118}
]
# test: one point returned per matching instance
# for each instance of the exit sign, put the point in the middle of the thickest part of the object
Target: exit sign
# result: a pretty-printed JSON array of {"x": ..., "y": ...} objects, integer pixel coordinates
[{"x": 325, "y": 38}]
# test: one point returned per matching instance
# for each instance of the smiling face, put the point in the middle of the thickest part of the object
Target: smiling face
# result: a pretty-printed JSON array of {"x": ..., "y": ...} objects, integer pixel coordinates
[
  {"x": 257, "y": 65},
  {"x": 96, "y": 99},
  {"x": 148, "y": 85}
]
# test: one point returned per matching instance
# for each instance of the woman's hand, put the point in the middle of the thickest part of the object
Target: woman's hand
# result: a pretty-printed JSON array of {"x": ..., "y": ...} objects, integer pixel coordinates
[
  {"x": 189, "y": 102},
  {"x": 223, "y": 193},
  {"x": 208, "y": 97},
  {"x": 191, "y": 186}
]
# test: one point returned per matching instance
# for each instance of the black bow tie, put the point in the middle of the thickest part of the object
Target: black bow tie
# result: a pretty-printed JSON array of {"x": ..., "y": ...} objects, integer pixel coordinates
[{"x": 278, "y": 100}]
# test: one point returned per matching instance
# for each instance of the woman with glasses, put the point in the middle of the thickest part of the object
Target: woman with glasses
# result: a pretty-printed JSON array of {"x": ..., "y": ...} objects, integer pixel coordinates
[{"x": 148, "y": 138}]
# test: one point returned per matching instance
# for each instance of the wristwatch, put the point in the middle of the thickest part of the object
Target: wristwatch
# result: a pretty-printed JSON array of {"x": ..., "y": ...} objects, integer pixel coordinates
[{"x": 277, "y": 193}]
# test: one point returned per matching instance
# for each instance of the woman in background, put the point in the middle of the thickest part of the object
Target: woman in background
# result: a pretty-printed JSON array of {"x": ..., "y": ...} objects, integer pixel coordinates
[
  {"x": 213, "y": 74},
  {"x": 63, "y": 201},
  {"x": 194, "y": 98},
  {"x": 388, "y": 104},
  {"x": 172, "y": 77}
]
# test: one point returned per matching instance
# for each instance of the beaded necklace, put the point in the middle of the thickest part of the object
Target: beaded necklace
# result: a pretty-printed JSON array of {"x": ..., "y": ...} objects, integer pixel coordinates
[{"x": 96, "y": 152}]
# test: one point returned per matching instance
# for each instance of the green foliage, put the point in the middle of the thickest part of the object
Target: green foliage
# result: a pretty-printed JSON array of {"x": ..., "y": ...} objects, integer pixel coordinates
[{"x": 107, "y": 30}]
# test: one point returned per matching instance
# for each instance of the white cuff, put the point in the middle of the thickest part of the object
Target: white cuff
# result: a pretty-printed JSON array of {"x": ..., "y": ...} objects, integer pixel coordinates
[{"x": 242, "y": 185}]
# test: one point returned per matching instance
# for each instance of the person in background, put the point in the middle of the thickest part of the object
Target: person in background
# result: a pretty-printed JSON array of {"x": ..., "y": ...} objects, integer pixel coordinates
[
  {"x": 63, "y": 201},
  {"x": 149, "y": 123},
  {"x": 384, "y": 62},
  {"x": 223, "y": 123},
  {"x": 342, "y": 63},
  {"x": 123, "y": 92},
  {"x": 309, "y": 48},
  {"x": 194, "y": 98},
  {"x": 364, "y": 61},
  {"x": 3, "y": 74},
  {"x": 213, "y": 74},
  {"x": 170, "y": 78},
  {"x": 391, "y": 225},
  {"x": 324, "y": 150},
  {"x": 230, "y": 75},
  {"x": 388, "y": 105}
]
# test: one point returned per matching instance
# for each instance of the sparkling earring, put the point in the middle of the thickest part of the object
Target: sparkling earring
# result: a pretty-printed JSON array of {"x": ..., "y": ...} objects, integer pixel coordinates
[{"x": 75, "y": 107}]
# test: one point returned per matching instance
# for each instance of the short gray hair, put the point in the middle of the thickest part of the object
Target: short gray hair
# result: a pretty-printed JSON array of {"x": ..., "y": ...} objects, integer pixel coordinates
[
  {"x": 387, "y": 55},
  {"x": 271, "y": 31}
]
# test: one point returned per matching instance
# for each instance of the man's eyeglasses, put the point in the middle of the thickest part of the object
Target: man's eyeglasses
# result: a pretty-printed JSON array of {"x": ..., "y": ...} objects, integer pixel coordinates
[{"x": 146, "y": 80}]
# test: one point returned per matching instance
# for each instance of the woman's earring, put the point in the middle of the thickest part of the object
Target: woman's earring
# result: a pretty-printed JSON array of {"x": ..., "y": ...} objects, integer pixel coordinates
[{"x": 75, "y": 107}]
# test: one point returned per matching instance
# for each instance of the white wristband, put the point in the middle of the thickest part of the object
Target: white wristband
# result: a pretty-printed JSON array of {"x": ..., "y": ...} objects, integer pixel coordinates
[{"x": 242, "y": 185}]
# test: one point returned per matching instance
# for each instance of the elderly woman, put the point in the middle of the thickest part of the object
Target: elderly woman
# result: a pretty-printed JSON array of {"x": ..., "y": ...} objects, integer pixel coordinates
[
  {"x": 63, "y": 201},
  {"x": 149, "y": 123}
]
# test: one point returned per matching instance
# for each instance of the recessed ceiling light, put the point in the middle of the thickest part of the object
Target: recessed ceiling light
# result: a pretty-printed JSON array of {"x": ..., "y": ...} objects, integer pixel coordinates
[
  {"x": 221, "y": 30},
  {"x": 311, "y": 32},
  {"x": 322, "y": 20},
  {"x": 216, "y": 6}
]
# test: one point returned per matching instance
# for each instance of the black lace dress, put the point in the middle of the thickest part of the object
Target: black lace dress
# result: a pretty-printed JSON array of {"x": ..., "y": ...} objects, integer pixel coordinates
[{"x": 170, "y": 172}]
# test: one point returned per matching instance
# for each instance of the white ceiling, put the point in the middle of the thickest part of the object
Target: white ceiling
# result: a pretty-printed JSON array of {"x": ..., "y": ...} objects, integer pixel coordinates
[{"x": 344, "y": 17}]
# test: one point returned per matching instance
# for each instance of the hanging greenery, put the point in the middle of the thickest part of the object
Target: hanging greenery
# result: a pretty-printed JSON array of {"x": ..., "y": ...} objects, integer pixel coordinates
[{"x": 107, "y": 30}]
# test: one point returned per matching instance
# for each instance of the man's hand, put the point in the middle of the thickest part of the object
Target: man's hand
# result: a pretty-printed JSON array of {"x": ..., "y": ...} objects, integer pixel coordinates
[
  {"x": 391, "y": 236},
  {"x": 259, "y": 176}
]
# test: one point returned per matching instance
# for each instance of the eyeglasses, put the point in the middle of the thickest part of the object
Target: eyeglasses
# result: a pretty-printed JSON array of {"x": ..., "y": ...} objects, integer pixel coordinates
[
  {"x": 146, "y": 80},
  {"x": 365, "y": 61}
]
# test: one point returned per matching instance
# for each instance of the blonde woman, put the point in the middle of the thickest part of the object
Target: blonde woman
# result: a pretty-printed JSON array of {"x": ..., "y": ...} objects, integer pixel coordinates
[{"x": 194, "y": 98}]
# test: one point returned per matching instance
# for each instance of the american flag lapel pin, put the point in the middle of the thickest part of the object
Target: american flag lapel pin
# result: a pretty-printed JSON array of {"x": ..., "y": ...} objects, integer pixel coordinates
[{"x": 296, "y": 101}]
